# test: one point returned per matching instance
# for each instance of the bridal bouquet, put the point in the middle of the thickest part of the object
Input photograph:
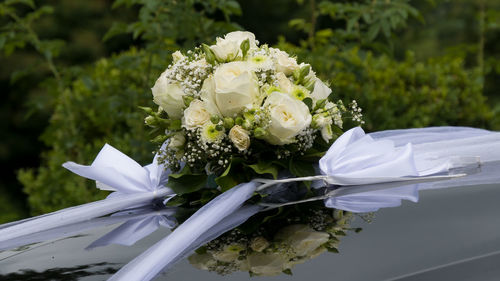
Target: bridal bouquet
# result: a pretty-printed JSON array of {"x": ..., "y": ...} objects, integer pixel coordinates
[
  {"x": 234, "y": 111},
  {"x": 270, "y": 245}
]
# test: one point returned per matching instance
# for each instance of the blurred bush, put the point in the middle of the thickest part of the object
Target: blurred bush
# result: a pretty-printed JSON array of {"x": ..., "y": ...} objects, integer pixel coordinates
[
  {"x": 356, "y": 56},
  {"x": 98, "y": 104},
  {"x": 352, "y": 44},
  {"x": 403, "y": 94}
]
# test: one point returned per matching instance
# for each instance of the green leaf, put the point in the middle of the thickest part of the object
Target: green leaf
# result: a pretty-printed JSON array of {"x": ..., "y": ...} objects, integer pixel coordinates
[
  {"x": 29, "y": 3},
  {"x": 309, "y": 103},
  {"x": 186, "y": 183},
  {"x": 209, "y": 54},
  {"x": 313, "y": 153},
  {"x": 279, "y": 212},
  {"x": 175, "y": 125},
  {"x": 301, "y": 169},
  {"x": 351, "y": 23},
  {"x": 386, "y": 29},
  {"x": 336, "y": 130},
  {"x": 176, "y": 201},
  {"x": 226, "y": 181},
  {"x": 263, "y": 168},
  {"x": 245, "y": 46},
  {"x": 201, "y": 250},
  {"x": 232, "y": 7},
  {"x": 373, "y": 31},
  {"x": 332, "y": 250},
  {"x": 116, "y": 29},
  {"x": 232, "y": 176}
]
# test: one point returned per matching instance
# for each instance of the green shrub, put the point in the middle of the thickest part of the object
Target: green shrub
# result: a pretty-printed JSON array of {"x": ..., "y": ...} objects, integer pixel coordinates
[
  {"x": 100, "y": 106},
  {"x": 404, "y": 94}
]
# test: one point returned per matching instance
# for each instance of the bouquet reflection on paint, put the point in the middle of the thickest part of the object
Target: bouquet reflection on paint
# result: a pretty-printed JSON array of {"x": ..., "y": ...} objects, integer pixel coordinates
[{"x": 273, "y": 242}]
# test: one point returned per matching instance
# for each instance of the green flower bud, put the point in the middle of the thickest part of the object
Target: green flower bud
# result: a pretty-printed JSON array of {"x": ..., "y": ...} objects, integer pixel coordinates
[
  {"x": 214, "y": 119},
  {"x": 247, "y": 124},
  {"x": 219, "y": 128},
  {"x": 309, "y": 84},
  {"x": 245, "y": 46},
  {"x": 209, "y": 54},
  {"x": 228, "y": 122},
  {"x": 160, "y": 139},
  {"x": 187, "y": 100},
  {"x": 259, "y": 133},
  {"x": 238, "y": 121},
  {"x": 320, "y": 104},
  {"x": 296, "y": 74},
  {"x": 148, "y": 110},
  {"x": 150, "y": 121},
  {"x": 249, "y": 115},
  {"x": 304, "y": 71}
]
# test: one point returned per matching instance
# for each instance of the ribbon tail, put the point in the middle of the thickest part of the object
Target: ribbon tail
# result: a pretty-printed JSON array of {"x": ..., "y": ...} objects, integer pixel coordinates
[
  {"x": 79, "y": 214},
  {"x": 168, "y": 250},
  {"x": 128, "y": 233},
  {"x": 222, "y": 227}
]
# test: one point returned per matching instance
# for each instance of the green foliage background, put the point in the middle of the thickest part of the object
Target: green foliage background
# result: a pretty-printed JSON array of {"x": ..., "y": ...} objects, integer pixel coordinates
[{"x": 74, "y": 72}]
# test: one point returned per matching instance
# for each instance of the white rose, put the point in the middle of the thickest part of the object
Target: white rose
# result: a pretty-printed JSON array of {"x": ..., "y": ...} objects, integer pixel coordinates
[
  {"x": 239, "y": 137},
  {"x": 229, "y": 47},
  {"x": 321, "y": 91},
  {"x": 168, "y": 95},
  {"x": 177, "y": 141},
  {"x": 284, "y": 83},
  {"x": 236, "y": 88},
  {"x": 207, "y": 94},
  {"x": 229, "y": 253},
  {"x": 196, "y": 115},
  {"x": 288, "y": 117},
  {"x": 202, "y": 261},
  {"x": 259, "y": 244},
  {"x": 284, "y": 63},
  {"x": 268, "y": 264},
  {"x": 315, "y": 253},
  {"x": 303, "y": 239}
]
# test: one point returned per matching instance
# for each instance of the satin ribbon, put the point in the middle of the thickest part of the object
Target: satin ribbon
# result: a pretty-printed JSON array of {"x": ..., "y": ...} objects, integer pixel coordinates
[{"x": 133, "y": 185}]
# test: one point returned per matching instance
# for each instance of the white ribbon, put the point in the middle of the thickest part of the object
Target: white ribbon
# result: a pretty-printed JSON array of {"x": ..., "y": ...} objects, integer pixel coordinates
[
  {"x": 133, "y": 184},
  {"x": 357, "y": 159}
]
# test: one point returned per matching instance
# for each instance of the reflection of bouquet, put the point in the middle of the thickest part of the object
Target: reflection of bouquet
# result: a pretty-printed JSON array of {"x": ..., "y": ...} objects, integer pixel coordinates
[
  {"x": 235, "y": 110},
  {"x": 285, "y": 239}
]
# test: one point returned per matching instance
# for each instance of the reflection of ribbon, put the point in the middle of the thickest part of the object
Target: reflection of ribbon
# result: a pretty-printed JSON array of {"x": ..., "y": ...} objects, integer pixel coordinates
[
  {"x": 145, "y": 214},
  {"x": 133, "y": 184},
  {"x": 373, "y": 200},
  {"x": 137, "y": 227}
]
